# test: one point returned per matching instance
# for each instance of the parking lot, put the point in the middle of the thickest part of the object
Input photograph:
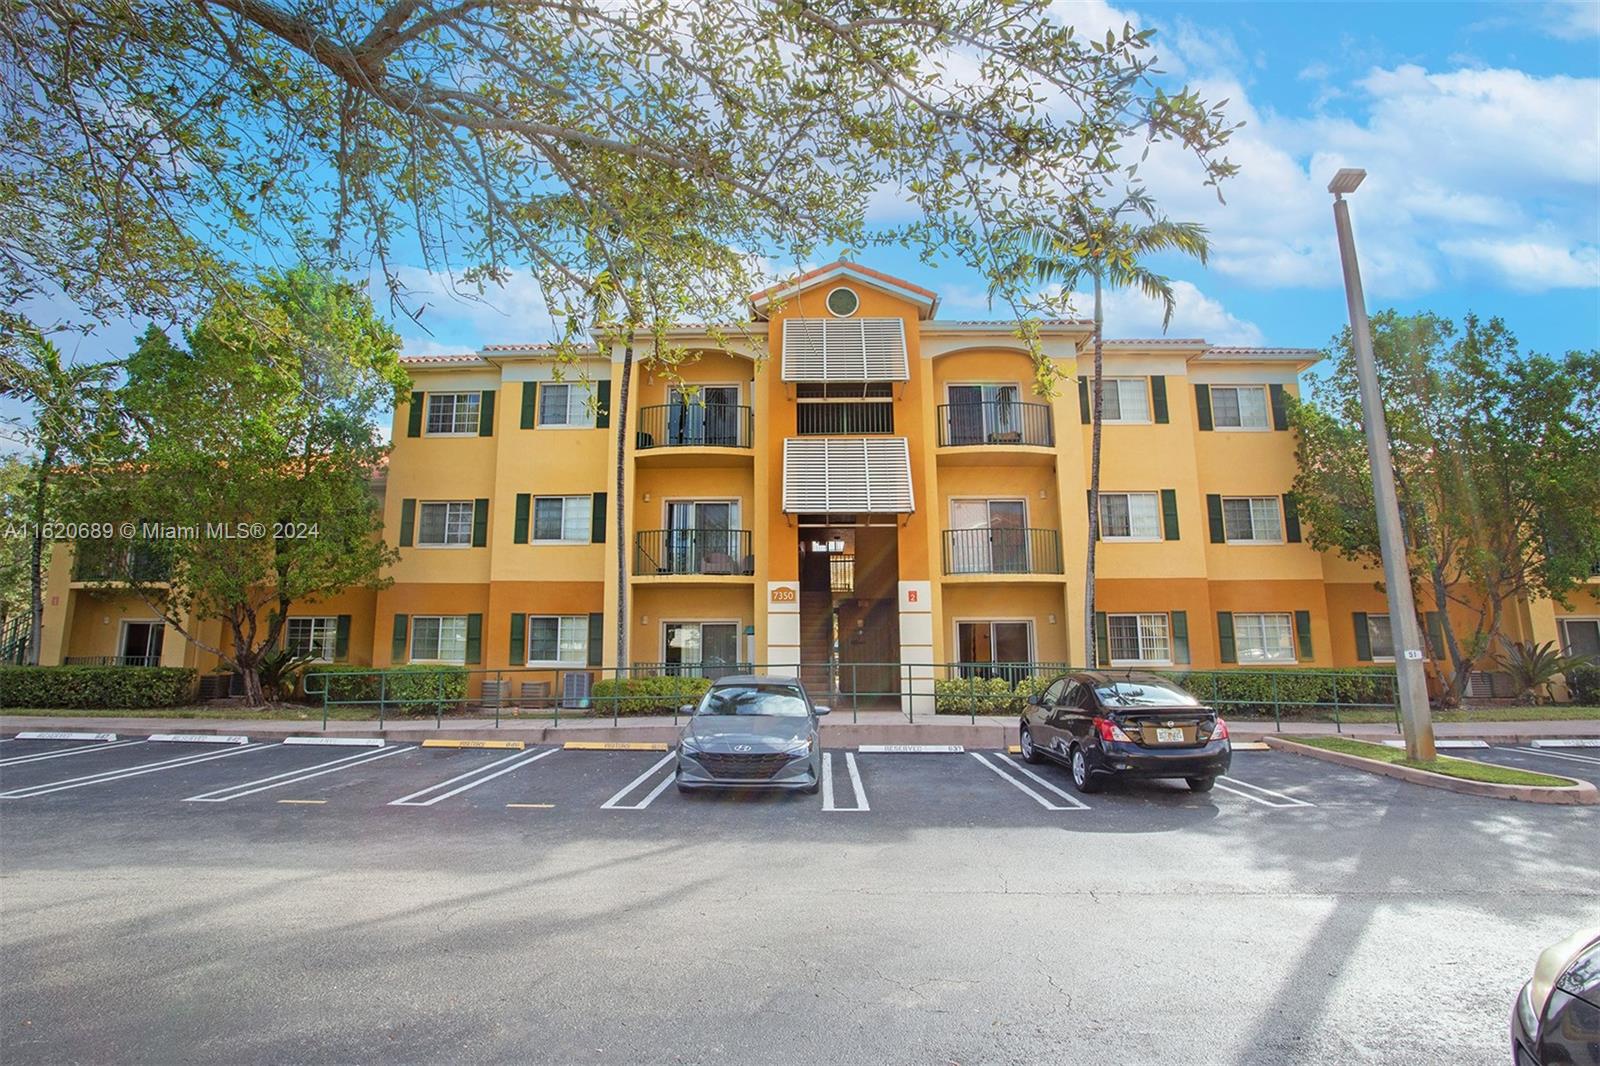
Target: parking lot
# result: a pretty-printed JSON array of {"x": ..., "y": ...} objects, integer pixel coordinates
[{"x": 264, "y": 901}]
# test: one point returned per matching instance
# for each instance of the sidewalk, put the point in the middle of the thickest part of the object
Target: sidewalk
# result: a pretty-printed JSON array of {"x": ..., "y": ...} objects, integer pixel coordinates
[{"x": 838, "y": 729}]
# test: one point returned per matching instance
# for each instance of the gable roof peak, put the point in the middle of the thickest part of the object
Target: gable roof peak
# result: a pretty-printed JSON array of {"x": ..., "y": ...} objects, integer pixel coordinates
[{"x": 926, "y": 300}]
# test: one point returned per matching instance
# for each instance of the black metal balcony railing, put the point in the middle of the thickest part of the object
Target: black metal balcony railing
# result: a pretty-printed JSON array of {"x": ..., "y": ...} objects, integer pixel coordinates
[
  {"x": 693, "y": 425},
  {"x": 692, "y": 551},
  {"x": 1002, "y": 551},
  {"x": 112, "y": 660},
  {"x": 104, "y": 560},
  {"x": 996, "y": 423},
  {"x": 843, "y": 419}
]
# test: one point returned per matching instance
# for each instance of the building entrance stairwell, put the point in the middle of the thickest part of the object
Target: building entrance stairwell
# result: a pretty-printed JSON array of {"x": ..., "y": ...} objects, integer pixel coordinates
[{"x": 849, "y": 613}]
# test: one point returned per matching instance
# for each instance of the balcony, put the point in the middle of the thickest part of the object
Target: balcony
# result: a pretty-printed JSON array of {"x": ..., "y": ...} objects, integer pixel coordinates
[
  {"x": 112, "y": 660},
  {"x": 996, "y": 432},
  {"x": 993, "y": 552},
  {"x": 675, "y": 553},
  {"x": 105, "y": 560},
  {"x": 677, "y": 434}
]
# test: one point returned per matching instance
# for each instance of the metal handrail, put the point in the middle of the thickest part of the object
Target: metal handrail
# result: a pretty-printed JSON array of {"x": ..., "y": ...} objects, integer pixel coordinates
[
  {"x": 692, "y": 551},
  {"x": 996, "y": 422},
  {"x": 695, "y": 425},
  {"x": 1002, "y": 550}
]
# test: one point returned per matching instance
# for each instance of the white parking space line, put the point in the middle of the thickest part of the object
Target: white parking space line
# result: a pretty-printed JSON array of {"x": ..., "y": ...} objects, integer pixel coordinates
[
  {"x": 136, "y": 771},
  {"x": 1559, "y": 742},
  {"x": 291, "y": 777},
  {"x": 1006, "y": 760},
  {"x": 478, "y": 776},
  {"x": 1565, "y": 755},
  {"x": 81, "y": 749},
  {"x": 1277, "y": 799},
  {"x": 1014, "y": 783},
  {"x": 855, "y": 784},
  {"x": 614, "y": 804}
]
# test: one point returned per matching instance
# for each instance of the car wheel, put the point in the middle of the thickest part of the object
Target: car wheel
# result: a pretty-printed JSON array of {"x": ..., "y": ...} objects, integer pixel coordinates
[
  {"x": 1082, "y": 779},
  {"x": 1029, "y": 752},
  {"x": 1201, "y": 784},
  {"x": 813, "y": 788}
]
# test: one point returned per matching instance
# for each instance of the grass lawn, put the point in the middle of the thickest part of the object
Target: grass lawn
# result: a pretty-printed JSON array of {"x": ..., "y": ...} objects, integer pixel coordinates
[
  {"x": 1465, "y": 769},
  {"x": 1557, "y": 712},
  {"x": 281, "y": 712}
]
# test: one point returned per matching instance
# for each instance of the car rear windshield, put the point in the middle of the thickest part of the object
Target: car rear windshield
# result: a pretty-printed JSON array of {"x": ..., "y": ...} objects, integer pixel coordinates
[
  {"x": 782, "y": 701},
  {"x": 1143, "y": 694}
]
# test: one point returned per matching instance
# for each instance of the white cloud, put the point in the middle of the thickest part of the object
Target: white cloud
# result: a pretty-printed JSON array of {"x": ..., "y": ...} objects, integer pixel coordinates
[
  {"x": 1131, "y": 314},
  {"x": 1532, "y": 265},
  {"x": 1572, "y": 20},
  {"x": 453, "y": 316}
]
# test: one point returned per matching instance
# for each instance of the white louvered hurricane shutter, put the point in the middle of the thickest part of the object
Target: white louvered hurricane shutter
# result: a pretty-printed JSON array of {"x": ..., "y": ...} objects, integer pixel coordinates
[
  {"x": 843, "y": 475},
  {"x": 845, "y": 349}
]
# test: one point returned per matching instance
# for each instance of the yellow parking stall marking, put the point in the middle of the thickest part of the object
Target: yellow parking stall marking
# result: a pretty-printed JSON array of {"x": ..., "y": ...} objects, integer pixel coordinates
[
  {"x": 531, "y": 806},
  {"x": 309, "y": 803},
  {"x": 611, "y": 745},
  {"x": 515, "y": 745}
]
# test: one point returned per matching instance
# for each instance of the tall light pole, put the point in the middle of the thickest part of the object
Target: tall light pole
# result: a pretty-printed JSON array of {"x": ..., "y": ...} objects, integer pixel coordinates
[{"x": 1415, "y": 718}]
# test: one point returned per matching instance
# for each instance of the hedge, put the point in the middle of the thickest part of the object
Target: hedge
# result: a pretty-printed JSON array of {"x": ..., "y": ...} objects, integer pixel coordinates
[
  {"x": 1583, "y": 685},
  {"x": 1251, "y": 691},
  {"x": 647, "y": 695},
  {"x": 985, "y": 695},
  {"x": 399, "y": 686},
  {"x": 95, "y": 687}
]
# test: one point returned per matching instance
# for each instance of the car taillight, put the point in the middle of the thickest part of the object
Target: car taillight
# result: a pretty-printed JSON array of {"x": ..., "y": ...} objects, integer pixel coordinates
[
  {"x": 1220, "y": 730},
  {"x": 1110, "y": 731}
]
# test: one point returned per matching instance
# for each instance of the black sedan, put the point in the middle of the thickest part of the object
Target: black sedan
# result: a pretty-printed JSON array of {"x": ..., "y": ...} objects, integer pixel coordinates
[
  {"x": 1556, "y": 1021},
  {"x": 752, "y": 732},
  {"x": 1099, "y": 724}
]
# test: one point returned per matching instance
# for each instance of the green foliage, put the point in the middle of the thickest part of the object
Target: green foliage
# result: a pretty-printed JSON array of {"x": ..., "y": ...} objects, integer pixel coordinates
[
  {"x": 280, "y": 672},
  {"x": 410, "y": 689},
  {"x": 648, "y": 695},
  {"x": 1534, "y": 667},
  {"x": 985, "y": 695},
  {"x": 1583, "y": 684},
  {"x": 93, "y": 687},
  {"x": 16, "y": 511},
  {"x": 1256, "y": 692}
]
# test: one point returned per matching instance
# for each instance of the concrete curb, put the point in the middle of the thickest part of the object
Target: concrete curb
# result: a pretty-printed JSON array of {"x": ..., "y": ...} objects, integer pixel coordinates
[{"x": 1582, "y": 793}]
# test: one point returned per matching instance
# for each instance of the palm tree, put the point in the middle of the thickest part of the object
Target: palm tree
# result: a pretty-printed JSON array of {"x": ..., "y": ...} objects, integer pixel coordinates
[{"x": 1106, "y": 246}]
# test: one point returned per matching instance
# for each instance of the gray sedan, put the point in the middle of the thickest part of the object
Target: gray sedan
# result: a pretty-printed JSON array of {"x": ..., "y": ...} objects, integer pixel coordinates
[{"x": 752, "y": 732}]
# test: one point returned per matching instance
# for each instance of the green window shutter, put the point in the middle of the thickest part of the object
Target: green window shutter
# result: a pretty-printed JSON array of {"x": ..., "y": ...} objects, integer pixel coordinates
[
  {"x": 597, "y": 638},
  {"x": 530, "y": 403},
  {"x": 414, "y": 416},
  {"x": 519, "y": 639},
  {"x": 1083, "y": 399},
  {"x": 1180, "y": 636},
  {"x": 1302, "y": 637},
  {"x": 1202, "y": 405},
  {"x": 408, "y": 521},
  {"x": 1291, "y": 518},
  {"x": 1169, "y": 514},
  {"x": 1363, "y": 638},
  {"x": 1225, "y": 647},
  {"x": 1280, "y": 407},
  {"x": 474, "y": 638},
  {"x": 486, "y": 414},
  {"x": 341, "y": 638},
  {"x": 519, "y": 535},
  {"x": 1102, "y": 640},
  {"x": 602, "y": 398},
  {"x": 1436, "y": 648},
  {"x": 480, "y": 523},
  {"x": 597, "y": 519},
  {"x": 1158, "y": 398},
  {"x": 397, "y": 653},
  {"x": 1219, "y": 532}
]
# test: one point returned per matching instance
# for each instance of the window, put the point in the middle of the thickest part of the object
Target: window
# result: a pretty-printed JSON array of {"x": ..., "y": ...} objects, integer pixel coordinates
[
  {"x": 1130, "y": 516},
  {"x": 1380, "y": 637},
  {"x": 565, "y": 405},
  {"x": 453, "y": 412},
  {"x": 316, "y": 637},
  {"x": 1580, "y": 636},
  {"x": 1124, "y": 400},
  {"x": 1138, "y": 638},
  {"x": 1264, "y": 638},
  {"x": 1252, "y": 519},
  {"x": 701, "y": 649},
  {"x": 1008, "y": 646},
  {"x": 439, "y": 639},
  {"x": 445, "y": 524},
  {"x": 1239, "y": 407},
  {"x": 562, "y": 519},
  {"x": 558, "y": 638}
]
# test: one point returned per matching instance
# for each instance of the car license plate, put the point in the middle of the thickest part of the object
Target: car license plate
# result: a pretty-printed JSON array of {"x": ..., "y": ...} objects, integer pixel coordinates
[{"x": 1169, "y": 736}]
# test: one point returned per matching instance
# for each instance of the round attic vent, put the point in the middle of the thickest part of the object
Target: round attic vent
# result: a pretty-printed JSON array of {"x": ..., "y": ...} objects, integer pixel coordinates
[{"x": 843, "y": 302}]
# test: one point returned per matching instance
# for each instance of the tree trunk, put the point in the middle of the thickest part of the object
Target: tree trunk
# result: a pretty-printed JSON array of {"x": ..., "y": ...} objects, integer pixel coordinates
[
  {"x": 1089, "y": 642},
  {"x": 620, "y": 502},
  {"x": 36, "y": 558}
]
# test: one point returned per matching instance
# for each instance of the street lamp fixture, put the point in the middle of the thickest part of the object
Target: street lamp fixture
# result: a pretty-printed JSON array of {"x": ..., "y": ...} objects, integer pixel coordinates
[{"x": 1415, "y": 718}]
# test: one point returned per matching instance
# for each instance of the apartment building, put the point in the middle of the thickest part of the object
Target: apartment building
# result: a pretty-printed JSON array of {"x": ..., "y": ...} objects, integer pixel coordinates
[{"x": 855, "y": 489}]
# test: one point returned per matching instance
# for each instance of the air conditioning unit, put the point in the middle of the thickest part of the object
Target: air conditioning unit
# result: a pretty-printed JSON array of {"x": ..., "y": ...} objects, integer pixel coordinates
[{"x": 576, "y": 688}]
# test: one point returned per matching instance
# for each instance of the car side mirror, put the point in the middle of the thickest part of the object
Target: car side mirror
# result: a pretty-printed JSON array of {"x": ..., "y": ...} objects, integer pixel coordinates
[{"x": 821, "y": 710}]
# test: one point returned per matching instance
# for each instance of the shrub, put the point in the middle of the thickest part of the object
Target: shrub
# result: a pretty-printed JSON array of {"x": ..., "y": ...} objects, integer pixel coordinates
[
  {"x": 412, "y": 689},
  {"x": 1254, "y": 691},
  {"x": 985, "y": 695},
  {"x": 647, "y": 695},
  {"x": 1583, "y": 684},
  {"x": 95, "y": 686}
]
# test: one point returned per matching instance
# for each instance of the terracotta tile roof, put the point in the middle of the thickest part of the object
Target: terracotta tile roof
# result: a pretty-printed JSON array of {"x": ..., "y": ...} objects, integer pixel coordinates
[
  {"x": 1303, "y": 353},
  {"x": 1157, "y": 342},
  {"x": 442, "y": 360}
]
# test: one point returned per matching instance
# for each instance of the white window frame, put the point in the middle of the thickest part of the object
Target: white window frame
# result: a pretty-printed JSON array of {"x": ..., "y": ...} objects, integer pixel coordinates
[
  {"x": 1372, "y": 643},
  {"x": 582, "y": 621},
  {"x": 1120, "y": 383},
  {"x": 1566, "y": 643},
  {"x": 459, "y": 399},
  {"x": 1155, "y": 498},
  {"x": 328, "y": 623},
  {"x": 1266, "y": 408},
  {"x": 1143, "y": 617},
  {"x": 577, "y": 391},
  {"x": 566, "y": 501},
  {"x": 1260, "y": 618},
  {"x": 447, "y": 504},
  {"x": 1275, "y": 502},
  {"x": 991, "y": 622},
  {"x": 439, "y": 644}
]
